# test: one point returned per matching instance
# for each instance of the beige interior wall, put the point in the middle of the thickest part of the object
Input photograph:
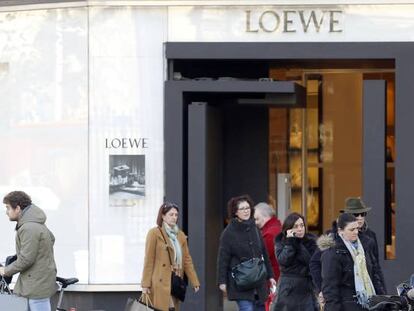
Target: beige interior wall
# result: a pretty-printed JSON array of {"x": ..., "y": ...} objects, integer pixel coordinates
[
  {"x": 278, "y": 124},
  {"x": 341, "y": 136}
]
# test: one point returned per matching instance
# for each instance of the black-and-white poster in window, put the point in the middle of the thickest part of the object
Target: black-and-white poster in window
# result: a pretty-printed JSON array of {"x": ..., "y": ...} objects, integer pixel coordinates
[{"x": 126, "y": 179}]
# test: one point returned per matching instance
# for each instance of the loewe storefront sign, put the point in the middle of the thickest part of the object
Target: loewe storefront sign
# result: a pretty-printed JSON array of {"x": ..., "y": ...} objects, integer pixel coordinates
[{"x": 292, "y": 21}]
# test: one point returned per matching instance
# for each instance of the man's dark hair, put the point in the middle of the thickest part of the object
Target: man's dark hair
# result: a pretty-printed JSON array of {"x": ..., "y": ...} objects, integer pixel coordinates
[
  {"x": 17, "y": 198},
  {"x": 233, "y": 205}
]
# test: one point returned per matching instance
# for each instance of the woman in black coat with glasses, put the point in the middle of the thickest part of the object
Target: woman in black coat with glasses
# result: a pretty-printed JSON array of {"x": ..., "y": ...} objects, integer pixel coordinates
[{"x": 241, "y": 241}]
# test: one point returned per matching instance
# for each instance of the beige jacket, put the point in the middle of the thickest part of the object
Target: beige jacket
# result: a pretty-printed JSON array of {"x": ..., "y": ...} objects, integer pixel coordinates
[{"x": 157, "y": 269}]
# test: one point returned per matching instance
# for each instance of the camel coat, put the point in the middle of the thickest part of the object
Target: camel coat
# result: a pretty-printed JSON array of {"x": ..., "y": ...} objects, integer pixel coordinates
[{"x": 157, "y": 269}]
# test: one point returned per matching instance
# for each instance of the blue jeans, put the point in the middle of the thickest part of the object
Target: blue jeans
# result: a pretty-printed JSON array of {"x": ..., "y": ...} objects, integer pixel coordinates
[
  {"x": 248, "y": 305},
  {"x": 39, "y": 304}
]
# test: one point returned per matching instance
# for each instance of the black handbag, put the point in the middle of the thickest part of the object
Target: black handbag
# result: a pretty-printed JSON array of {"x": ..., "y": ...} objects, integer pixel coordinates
[
  {"x": 178, "y": 284},
  {"x": 250, "y": 273}
]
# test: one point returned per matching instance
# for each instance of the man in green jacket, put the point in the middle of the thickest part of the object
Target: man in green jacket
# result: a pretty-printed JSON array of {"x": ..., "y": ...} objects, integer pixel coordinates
[{"x": 34, "y": 248}]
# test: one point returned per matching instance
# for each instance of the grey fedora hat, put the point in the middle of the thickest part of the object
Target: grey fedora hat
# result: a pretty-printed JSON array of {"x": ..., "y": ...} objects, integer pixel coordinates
[{"x": 354, "y": 205}]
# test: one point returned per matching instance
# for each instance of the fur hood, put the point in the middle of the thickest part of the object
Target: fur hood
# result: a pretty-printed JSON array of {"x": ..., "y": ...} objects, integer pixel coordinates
[{"x": 325, "y": 241}]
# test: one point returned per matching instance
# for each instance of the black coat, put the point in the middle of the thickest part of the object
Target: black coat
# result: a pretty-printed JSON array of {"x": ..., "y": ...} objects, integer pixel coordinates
[
  {"x": 295, "y": 287},
  {"x": 315, "y": 268},
  {"x": 338, "y": 284},
  {"x": 367, "y": 233},
  {"x": 368, "y": 239},
  {"x": 241, "y": 241},
  {"x": 324, "y": 242}
]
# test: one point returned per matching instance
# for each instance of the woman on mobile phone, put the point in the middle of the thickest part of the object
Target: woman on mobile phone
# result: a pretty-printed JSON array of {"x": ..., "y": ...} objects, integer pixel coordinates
[{"x": 294, "y": 248}]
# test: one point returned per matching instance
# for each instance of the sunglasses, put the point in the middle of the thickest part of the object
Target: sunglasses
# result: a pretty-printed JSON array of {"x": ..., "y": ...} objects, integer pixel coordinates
[{"x": 360, "y": 214}]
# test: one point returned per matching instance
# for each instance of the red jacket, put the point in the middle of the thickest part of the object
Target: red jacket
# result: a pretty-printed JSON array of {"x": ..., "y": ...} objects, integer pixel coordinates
[{"x": 269, "y": 231}]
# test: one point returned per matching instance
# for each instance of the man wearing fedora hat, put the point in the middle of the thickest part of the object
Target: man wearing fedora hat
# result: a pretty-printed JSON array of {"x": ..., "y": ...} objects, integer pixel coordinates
[{"x": 357, "y": 207}]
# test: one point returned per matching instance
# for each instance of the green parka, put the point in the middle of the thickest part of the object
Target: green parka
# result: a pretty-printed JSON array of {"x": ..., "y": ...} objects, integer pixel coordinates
[{"x": 35, "y": 259}]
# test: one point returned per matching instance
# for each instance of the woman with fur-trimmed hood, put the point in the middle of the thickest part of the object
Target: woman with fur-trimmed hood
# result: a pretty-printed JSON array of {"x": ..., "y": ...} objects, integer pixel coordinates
[
  {"x": 349, "y": 268},
  {"x": 327, "y": 241}
]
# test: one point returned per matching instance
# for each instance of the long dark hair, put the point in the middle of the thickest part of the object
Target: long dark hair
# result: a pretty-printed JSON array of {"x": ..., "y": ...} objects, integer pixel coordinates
[
  {"x": 164, "y": 209},
  {"x": 290, "y": 222}
]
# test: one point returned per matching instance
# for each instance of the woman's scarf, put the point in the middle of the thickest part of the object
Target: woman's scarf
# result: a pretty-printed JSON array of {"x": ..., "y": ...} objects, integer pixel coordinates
[
  {"x": 172, "y": 233},
  {"x": 363, "y": 285}
]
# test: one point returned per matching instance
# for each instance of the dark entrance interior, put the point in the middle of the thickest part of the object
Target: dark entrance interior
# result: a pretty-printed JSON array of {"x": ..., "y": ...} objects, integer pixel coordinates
[
  {"x": 225, "y": 154},
  {"x": 217, "y": 101},
  {"x": 237, "y": 136},
  {"x": 228, "y": 143}
]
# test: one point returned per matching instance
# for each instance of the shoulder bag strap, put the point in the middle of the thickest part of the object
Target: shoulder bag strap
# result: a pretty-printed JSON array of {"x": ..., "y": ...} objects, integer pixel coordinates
[{"x": 166, "y": 244}]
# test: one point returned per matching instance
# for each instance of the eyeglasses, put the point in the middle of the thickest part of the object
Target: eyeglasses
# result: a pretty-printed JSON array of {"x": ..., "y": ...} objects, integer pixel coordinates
[
  {"x": 360, "y": 214},
  {"x": 242, "y": 209}
]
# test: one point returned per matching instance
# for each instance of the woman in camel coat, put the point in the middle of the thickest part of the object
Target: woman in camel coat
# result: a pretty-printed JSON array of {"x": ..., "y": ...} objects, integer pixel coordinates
[{"x": 162, "y": 241}]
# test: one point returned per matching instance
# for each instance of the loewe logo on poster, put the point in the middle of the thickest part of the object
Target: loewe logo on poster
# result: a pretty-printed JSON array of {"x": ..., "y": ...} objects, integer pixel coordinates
[
  {"x": 291, "y": 21},
  {"x": 126, "y": 143}
]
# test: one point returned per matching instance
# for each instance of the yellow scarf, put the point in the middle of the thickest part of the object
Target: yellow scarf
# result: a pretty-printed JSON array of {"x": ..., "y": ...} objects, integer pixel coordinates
[{"x": 363, "y": 284}]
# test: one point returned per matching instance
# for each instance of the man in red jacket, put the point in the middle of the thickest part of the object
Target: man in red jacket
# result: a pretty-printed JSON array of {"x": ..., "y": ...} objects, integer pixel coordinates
[{"x": 270, "y": 227}]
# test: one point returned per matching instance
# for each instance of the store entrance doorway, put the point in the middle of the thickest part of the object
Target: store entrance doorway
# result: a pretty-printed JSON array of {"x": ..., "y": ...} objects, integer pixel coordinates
[
  {"x": 331, "y": 144},
  {"x": 236, "y": 149},
  {"x": 227, "y": 157},
  {"x": 226, "y": 149}
]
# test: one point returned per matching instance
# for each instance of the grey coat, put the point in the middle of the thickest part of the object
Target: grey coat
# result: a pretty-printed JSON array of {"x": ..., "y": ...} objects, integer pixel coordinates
[{"x": 35, "y": 260}]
